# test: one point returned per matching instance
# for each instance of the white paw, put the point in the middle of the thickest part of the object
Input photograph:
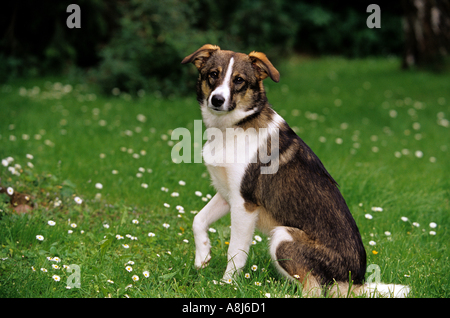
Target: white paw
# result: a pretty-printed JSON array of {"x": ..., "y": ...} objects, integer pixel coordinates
[{"x": 202, "y": 259}]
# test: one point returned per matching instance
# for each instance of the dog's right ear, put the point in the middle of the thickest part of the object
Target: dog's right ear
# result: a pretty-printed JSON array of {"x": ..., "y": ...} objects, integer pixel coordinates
[{"x": 200, "y": 56}]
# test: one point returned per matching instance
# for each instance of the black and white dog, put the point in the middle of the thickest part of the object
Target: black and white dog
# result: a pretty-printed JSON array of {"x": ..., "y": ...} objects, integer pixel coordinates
[{"x": 313, "y": 236}]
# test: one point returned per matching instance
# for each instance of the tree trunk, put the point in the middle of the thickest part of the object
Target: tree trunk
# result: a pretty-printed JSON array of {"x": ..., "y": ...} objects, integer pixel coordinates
[{"x": 427, "y": 33}]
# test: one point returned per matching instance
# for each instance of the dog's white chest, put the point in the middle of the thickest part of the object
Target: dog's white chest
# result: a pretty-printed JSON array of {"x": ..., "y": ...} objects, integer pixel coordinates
[{"x": 227, "y": 155}]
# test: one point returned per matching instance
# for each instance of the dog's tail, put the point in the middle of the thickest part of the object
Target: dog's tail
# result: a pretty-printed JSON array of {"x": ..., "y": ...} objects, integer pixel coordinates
[{"x": 370, "y": 290}]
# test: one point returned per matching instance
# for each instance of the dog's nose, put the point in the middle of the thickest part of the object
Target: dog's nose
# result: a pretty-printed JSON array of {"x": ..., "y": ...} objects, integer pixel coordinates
[{"x": 217, "y": 100}]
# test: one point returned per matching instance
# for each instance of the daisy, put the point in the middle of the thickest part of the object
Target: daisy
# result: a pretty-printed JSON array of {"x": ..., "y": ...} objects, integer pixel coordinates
[
  {"x": 432, "y": 233},
  {"x": 10, "y": 191},
  {"x": 416, "y": 224},
  {"x": 257, "y": 283},
  {"x": 51, "y": 223},
  {"x": 40, "y": 237},
  {"x": 130, "y": 263},
  {"x": 387, "y": 233},
  {"x": 185, "y": 241},
  {"x": 167, "y": 205},
  {"x": 106, "y": 226},
  {"x": 174, "y": 194},
  {"x": 56, "y": 259},
  {"x": 404, "y": 218},
  {"x": 198, "y": 193},
  {"x": 433, "y": 225},
  {"x": 129, "y": 268},
  {"x": 254, "y": 268},
  {"x": 99, "y": 186},
  {"x": 73, "y": 225},
  {"x": 377, "y": 209},
  {"x": 135, "y": 278},
  {"x": 44, "y": 270},
  {"x": 135, "y": 221},
  {"x": 56, "y": 278},
  {"x": 212, "y": 230},
  {"x": 151, "y": 234},
  {"x": 182, "y": 183},
  {"x": 33, "y": 269},
  {"x": 146, "y": 274},
  {"x": 368, "y": 216},
  {"x": 166, "y": 225},
  {"x": 372, "y": 243},
  {"x": 247, "y": 275},
  {"x": 54, "y": 266},
  {"x": 119, "y": 237},
  {"x": 78, "y": 200},
  {"x": 258, "y": 238},
  {"x": 126, "y": 245},
  {"x": 69, "y": 231},
  {"x": 110, "y": 281}
]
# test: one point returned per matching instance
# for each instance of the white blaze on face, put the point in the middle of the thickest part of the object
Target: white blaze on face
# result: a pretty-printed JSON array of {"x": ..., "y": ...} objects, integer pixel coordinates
[{"x": 222, "y": 92}]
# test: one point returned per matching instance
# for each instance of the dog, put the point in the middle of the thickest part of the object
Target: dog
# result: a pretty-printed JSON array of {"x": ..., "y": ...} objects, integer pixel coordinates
[{"x": 313, "y": 237}]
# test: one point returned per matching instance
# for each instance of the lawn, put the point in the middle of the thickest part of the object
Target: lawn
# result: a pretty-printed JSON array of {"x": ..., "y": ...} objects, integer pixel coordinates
[{"x": 108, "y": 198}]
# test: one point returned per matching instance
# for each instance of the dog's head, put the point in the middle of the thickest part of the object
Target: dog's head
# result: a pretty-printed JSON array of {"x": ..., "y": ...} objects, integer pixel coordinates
[{"x": 228, "y": 80}]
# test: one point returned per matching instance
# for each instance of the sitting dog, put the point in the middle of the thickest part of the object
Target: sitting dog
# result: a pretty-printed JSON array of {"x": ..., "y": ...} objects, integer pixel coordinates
[{"x": 313, "y": 236}]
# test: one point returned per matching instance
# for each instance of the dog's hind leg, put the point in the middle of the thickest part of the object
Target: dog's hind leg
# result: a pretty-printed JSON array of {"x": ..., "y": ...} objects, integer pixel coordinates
[
  {"x": 214, "y": 210},
  {"x": 290, "y": 249}
]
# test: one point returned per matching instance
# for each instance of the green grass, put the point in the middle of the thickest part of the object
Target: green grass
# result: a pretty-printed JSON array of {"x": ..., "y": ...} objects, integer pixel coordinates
[{"x": 382, "y": 133}]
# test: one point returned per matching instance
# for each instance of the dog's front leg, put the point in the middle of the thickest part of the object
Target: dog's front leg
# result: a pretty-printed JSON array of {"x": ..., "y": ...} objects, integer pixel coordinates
[
  {"x": 242, "y": 227},
  {"x": 216, "y": 208}
]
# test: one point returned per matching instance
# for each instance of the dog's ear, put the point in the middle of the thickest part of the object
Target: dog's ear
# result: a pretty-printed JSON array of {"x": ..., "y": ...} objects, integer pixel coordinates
[
  {"x": 263, "y": 66},
  {"x": 200, "y": 56}
]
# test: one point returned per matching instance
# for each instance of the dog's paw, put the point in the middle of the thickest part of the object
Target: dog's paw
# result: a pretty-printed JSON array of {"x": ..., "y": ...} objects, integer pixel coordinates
[{"x": 201, "y": 261}]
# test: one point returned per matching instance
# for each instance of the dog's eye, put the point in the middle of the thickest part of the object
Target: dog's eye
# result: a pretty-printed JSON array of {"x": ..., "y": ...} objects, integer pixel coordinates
[
  {"x": 238, "y": 80},
  {"x": 214, "y": 75}
]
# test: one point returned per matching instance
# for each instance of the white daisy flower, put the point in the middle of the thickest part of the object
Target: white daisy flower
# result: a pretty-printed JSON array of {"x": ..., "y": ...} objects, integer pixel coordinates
[
  {"x": 40, "y": 237},
  {"x": 135, "y": 221},
  {"x": 129, "y": 269},
  {"x": 372, "y": 243},
  {"x": 51, "y": 223},
  {"x": 135, "y": 278},
  {"x": 56, "y": 278},
  {"x": 368, "y": 216},
  {"x": 433, "y": 225},
  {"x": 404, "y": 218},
  {"x": 78, "y": 200},
  {"x": 146, "y": 274},
  {"x": 151, "y": 234},
  {"x": 166, "y": 225},
  {"x": 10, "y": 191}
]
